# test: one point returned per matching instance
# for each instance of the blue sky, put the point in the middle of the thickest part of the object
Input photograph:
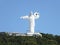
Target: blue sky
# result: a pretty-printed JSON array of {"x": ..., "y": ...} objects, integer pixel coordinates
[{"x": 11, "y": 10}]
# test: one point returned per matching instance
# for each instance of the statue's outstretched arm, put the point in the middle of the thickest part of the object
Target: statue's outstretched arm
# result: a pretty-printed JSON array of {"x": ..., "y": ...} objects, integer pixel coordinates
[
  {"x": 24, "y": 17},
  {"x": 36, "y": 15}
]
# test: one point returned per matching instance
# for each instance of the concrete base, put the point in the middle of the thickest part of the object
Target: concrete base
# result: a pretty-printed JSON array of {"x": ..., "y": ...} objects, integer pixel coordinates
[{"x": 34, "y": 34}]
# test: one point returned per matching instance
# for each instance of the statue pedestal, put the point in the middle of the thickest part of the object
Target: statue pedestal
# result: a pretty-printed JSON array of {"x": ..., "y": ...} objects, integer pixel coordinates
[{"x": 34, "y": 34}]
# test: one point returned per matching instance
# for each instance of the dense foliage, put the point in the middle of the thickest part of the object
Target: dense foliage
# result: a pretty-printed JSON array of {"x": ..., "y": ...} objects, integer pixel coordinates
[{"x": 47, "y": 39}]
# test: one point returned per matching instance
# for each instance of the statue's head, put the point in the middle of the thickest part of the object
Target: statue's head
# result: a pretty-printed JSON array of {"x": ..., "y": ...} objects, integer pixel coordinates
[
  {"x": 36, "y": 15},
  {"x": 31, "y": 13}
]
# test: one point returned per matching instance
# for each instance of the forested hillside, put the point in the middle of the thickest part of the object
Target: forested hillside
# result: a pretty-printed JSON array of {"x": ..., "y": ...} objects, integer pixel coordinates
[{"x": 47, "y": 39}]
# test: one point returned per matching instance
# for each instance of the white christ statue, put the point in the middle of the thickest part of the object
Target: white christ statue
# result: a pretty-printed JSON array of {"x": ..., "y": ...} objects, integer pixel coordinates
[{"x": 31, "y": 19}]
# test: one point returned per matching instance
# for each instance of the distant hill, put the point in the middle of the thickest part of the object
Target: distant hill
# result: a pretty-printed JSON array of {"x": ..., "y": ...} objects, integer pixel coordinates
[{"x": 47, "y": 39}]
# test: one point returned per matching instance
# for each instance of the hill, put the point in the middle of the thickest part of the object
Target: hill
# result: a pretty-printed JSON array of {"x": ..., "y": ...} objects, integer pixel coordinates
[{"x": 47, "y": 39}]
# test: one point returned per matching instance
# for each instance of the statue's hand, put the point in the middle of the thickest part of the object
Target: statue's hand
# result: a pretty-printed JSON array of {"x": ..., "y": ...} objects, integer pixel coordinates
[
  {"x": 24, "y": 17},
  {"x": 36, "y": 15}
]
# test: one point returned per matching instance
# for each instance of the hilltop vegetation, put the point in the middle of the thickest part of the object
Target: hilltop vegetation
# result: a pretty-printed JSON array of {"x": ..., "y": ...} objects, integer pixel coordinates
[{"x": 47, "y": 39}]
